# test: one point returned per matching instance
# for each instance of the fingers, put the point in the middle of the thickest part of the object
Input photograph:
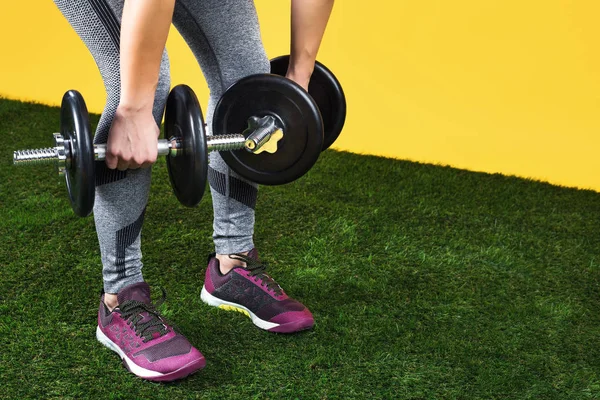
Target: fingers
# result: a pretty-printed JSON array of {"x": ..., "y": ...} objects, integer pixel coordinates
[
  {"x": 114, "y": 160},
  {"x": 111, "y": 160},
  {"x": 132, "y": 141},
  {"x": 124, "y": 165},
  {"x": 149, "y": 162},
  {"x": 117, "y": 160}
]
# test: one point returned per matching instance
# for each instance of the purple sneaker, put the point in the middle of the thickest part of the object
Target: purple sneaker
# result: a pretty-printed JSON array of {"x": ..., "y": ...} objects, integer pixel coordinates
[
  {"x": 252, "y": 292},
  {"x": 148, "y": 346}
]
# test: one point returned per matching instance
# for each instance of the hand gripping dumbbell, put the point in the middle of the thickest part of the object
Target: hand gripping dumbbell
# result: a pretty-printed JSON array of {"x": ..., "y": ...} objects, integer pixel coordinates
[{"x": 272, "y": 113}]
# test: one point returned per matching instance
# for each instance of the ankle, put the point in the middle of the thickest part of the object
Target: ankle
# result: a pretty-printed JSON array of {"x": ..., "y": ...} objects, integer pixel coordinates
[
  {"x": 226, "y": 263},
  {"x": 111, "y": 301}
]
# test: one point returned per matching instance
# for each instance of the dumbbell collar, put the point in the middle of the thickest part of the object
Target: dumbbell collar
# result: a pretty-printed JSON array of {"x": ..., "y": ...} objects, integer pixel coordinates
[
  {"x": 59, "y": 154},
  {"x": 262, "y": 134},
  {"x": 63, "y": 153}
]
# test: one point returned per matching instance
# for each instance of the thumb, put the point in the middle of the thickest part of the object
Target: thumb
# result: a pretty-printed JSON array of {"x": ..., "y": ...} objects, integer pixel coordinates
[{"x": 110, "y": 159}]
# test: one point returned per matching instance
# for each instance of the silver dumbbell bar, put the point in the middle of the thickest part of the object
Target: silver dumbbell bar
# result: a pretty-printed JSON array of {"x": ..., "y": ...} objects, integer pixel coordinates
[
  {"x": 173, "y": 146},
  {"x": 261, "y": 130}
]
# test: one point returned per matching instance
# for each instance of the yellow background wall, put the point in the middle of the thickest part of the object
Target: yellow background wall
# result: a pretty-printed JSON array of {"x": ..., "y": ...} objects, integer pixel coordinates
[{"x": 507, "y": 86}]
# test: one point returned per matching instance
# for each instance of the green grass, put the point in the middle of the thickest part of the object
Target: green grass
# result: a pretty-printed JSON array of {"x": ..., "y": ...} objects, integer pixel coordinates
[{"x": 426, "y": 282}]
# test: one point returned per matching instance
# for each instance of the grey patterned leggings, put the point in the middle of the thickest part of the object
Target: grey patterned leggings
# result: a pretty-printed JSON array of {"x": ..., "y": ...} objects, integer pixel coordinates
[{"x": 225, "y": 38}]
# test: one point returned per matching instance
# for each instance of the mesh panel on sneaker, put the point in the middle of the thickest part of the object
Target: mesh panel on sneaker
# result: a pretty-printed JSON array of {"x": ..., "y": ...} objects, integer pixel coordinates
[
  {"x": 240, "y": 290},
  {"x": 176, "y": 346}
]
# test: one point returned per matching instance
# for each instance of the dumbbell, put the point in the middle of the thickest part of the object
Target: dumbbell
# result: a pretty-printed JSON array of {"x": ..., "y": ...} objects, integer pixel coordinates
[
  {"x": 296, "y": 153},
  {"x": 270, "y": 111},
  {"x": 187, "y": 148}
]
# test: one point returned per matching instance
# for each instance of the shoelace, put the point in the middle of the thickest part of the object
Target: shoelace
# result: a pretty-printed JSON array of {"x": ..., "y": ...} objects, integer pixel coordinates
[
  {"x": 257, "y": 269},
  {"x": 132, "y": 311}
]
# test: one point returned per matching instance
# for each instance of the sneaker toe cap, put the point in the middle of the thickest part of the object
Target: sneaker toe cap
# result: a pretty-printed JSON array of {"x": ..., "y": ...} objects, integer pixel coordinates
[
  {"x": 171, "y": 358},
  {"x": 293, "y": 321}
]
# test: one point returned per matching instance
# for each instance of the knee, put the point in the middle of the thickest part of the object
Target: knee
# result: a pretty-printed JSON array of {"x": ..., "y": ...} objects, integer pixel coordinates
[
  {"x": 261, "y": 64},
  {"x": 241, "y": 67}
]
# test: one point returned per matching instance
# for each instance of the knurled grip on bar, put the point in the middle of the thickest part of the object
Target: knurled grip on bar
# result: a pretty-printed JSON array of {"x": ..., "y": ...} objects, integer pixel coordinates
[{"x": 35, "y": 156}]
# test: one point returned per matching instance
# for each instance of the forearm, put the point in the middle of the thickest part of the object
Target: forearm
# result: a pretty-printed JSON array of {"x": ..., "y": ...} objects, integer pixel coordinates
[
  {"x": 309, "y": 20},
  {"x": 144, "y": 30}
]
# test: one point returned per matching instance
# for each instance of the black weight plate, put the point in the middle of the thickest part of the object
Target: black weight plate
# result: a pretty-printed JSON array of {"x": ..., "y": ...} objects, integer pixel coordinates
[
  {"x": 80, "y": 173},
  {"x": 295, "y": 111},
  {"x": 328, "y": 94},
  {"x": 188, "y": 170}
]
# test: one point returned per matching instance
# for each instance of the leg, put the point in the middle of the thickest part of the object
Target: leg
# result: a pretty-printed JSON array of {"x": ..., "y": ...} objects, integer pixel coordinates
[
  {"x": 127, "y": 322},
  {"x": 225, "y": 38},
  {"x": 121, "y": 197}
]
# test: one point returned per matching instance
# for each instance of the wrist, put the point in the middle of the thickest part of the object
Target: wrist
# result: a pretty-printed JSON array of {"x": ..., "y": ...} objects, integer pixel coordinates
[
  {"x": 301, "y": 69},
  {"x": 126, "y": 107},
  {"x": 137, "y": 98},
  {"x": 302, "y": 55}
]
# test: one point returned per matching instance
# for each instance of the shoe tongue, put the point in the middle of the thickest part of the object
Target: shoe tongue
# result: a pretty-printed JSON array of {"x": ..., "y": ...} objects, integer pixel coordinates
[
  {"x": 253, "y": 254},
  {"x": 137, "y": 291}
]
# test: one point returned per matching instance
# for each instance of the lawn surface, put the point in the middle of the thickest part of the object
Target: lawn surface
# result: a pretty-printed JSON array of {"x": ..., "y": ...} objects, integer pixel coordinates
[{"x": 426, "y": 282}]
